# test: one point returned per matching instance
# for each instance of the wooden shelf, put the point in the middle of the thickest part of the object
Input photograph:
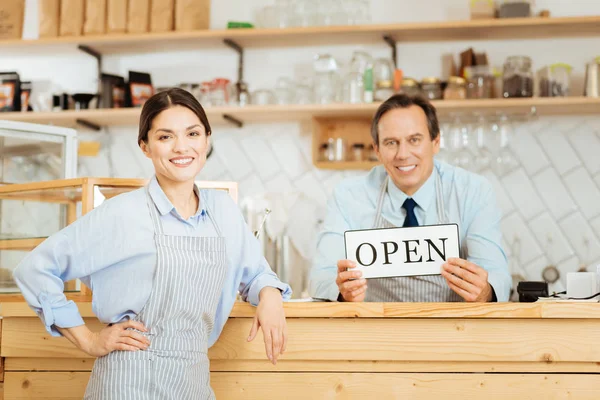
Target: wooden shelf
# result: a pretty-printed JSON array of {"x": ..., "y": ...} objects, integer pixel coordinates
[
  {"x": 493, "y": 29},
  {"x": 276, "y": 113},
  {"x": 346, "y": 165},
  {"x": 20, "y": 244}
]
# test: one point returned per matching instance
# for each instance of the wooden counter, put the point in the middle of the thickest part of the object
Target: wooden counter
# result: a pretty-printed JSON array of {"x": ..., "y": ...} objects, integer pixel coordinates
[{"x": 356, "y": 351}]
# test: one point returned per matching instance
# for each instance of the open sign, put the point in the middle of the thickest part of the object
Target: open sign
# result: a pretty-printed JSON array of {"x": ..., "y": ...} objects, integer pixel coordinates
[{"x": 387, "y": 252}]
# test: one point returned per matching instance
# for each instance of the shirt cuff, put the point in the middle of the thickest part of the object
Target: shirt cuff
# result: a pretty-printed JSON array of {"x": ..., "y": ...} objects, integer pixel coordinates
[
  {"x": 496, "y": 282},
  {"x": 268, "y": 281},
  {"x": 66, "y": 316}
]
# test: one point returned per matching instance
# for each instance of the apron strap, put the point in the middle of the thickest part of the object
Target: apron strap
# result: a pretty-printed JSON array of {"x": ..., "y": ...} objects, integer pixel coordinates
[
  {"x": 158, "y": 228},
  {"x": 209, "y": 213}
]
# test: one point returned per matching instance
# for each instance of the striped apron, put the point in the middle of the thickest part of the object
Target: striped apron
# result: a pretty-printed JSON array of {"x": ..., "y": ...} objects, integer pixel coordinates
[
  {"x": 179, "y": 316},
  {"x": 432, "y": 288}
]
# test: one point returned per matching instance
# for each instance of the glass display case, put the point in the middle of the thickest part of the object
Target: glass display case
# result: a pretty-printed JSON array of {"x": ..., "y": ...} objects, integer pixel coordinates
[
  {"x": 30, "y": 212},
  {"x": 32, "y": 152}
]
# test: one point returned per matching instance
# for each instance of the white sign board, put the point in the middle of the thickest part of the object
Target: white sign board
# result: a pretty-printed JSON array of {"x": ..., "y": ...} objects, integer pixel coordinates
[{"x": 420, "y": 250}]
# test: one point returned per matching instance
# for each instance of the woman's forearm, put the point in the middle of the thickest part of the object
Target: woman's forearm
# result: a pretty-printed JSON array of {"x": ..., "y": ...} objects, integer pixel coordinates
[{"x": 78, "y": 335}]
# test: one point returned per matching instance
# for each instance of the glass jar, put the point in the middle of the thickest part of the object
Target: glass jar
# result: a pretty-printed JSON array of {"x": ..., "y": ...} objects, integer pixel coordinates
[
  {"x": 339, "y": 149},
  {"x": 362, "y": 62},
  {"x": 353, "y": 89},
  {"x": 432, "y": 88},
  {"x": 371, "y": 154},
  {"x": 410, "y": 87},
  {"x": 325, "y": 81},
  {"x": 456, "y": 89},
  {"x": 518, "y": 77},
  {"x": 383, "y": 78},
  {"x": 328, "y": 150},
  {"x": 480, "y": 82},
  {"x": 358, "y": 152},
  {"x": 554, "y": 80}
]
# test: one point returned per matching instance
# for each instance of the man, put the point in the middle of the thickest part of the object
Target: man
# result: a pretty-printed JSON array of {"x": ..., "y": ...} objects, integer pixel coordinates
[{"x": 411, "y": 189}]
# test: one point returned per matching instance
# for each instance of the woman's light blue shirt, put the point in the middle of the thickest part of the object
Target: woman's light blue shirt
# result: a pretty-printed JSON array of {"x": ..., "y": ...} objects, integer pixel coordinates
[{"x": 112, "y": 250}]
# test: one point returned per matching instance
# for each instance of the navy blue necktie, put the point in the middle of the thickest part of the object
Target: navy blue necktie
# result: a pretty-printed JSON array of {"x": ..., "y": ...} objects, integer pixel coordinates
[{"x": 411, "y": 219}]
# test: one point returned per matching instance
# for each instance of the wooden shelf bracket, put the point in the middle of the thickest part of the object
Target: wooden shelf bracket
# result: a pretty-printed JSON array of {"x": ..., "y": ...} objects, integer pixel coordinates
[
  {"x": 98, "y": 57},
  {"x": 392, "y": 43},
  {"x": 233, "y": 120},
  {"x": 88, "y": 124},
  {"x": 238, "y": 49}
]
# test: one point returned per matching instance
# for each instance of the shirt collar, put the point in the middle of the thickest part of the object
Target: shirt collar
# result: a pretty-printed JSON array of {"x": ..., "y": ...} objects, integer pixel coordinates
[
  {"x": 422, "y": 197},
  {"x": 163, "y": 203}
]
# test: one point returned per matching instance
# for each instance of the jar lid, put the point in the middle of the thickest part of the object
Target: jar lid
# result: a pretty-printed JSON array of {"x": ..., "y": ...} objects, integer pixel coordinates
[
  {"x": 358, "y": 146},
  {"x": 457, "y": 80},
  {"x": 556, "y": 66},
  {"x": 384, "y": 84},
  {"x": 409, "y": 82},
  {"x": 430, "y": 80},
  {"x": 324, "y": 145}
]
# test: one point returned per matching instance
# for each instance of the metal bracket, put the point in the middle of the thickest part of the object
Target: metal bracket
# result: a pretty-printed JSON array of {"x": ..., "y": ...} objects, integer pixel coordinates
[
  {"x": 392, "y": 43},
  {"x": 233, "y": 120},
  {"x": 88, "y": 124},
  {"x": 98, "y": 57},
  {"x": 240, "y": 52}
]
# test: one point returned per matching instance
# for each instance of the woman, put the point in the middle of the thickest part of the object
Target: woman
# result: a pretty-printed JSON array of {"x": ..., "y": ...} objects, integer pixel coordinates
[{"x": 164, "y": 263}]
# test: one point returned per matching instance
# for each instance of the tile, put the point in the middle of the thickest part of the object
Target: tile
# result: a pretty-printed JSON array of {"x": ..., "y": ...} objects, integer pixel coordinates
[
  {"x": 534, "y": 269},
  {"x": 554, "y": 193},
  {"x": 251, "y": 186},
  {"x": 279, "y": 184},
  {"x": 587, "y": 146},
  {"x": 312, "y": 188},
  {"x": 330, "y": 183},
  {"x": 289, "y": 155},
  {"x": 525, "y": 198},
  {"x": 260, "y": 155},
  {"x": 560, "y": 152},
  {"x": 504, "y": 202},
  {"x": 233, "y": 158},
  {"x": 581, "y": 236},
  {"x": 525, "y": 247},
  {"x": 595, "y": 224},
  {"x": 213, "y": 170},
  {"x": 124, "y": 160},
  {"x": 584, "y": 191},
  {"x": 528, "y": 151},
  {"x": 554, "y": 244}
]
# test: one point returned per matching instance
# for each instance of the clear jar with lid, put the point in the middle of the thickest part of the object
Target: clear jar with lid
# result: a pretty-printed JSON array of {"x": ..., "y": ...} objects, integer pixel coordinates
[
  {"x": 383, "y": 78},
  {"x": 554, "y": 80},
  {"x": 456, "y": 88},
  {"x": 410, "y": 87},
  {"x": 358, "y": 152},
  {"x": 327, "y": 151},
  {"x": 480, "y": 82},
  {"x": 518, "y": 77},
  {"x": 432, "y": 88},
  {"x": 371, "y": 153}
]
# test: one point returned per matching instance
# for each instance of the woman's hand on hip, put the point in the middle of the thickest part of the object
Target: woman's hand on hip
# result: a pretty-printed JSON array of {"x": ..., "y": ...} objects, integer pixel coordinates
[
  {"x": 271, "y": 318},
  {"x": 116, "y": 337}
]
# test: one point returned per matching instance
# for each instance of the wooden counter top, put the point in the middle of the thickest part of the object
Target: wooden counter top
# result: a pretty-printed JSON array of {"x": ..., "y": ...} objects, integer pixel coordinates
[{"x": 15, "y": 307}]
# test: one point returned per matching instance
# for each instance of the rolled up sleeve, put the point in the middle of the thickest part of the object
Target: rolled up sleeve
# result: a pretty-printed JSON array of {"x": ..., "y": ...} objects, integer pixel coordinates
[{"x": 41, "y": 275}]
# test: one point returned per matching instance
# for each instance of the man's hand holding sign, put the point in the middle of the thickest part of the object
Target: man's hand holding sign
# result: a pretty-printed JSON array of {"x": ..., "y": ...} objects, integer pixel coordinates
[{"x": 425, "y": 250}]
